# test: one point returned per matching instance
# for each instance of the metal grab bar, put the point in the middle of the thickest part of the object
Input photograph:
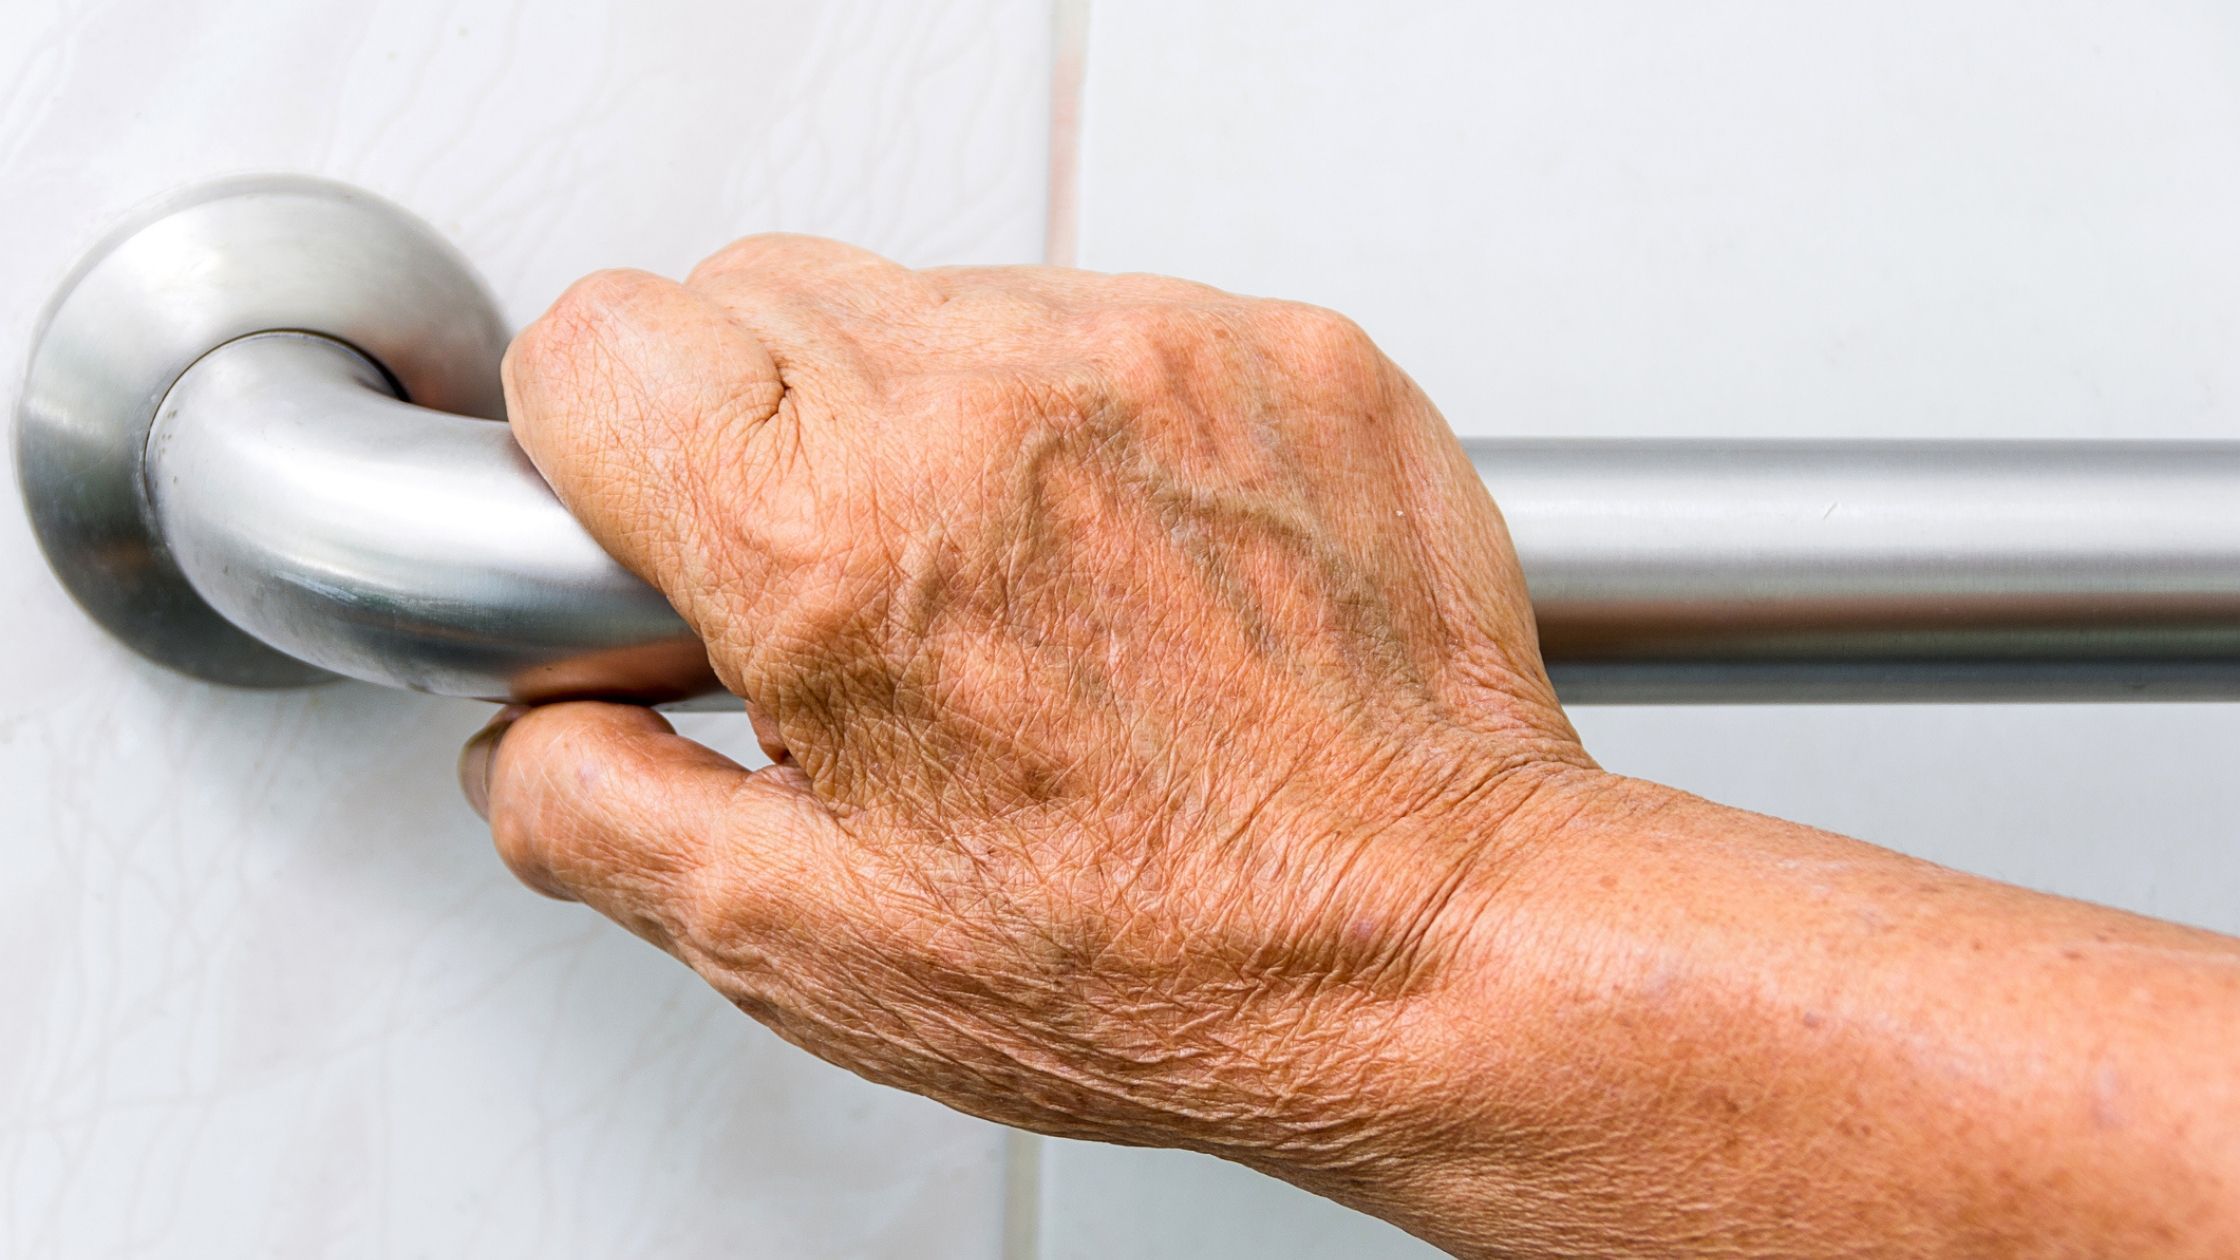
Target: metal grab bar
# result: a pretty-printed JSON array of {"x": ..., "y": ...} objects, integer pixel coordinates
[
  {"x": 219, "y": 464},
  {"x": 404, "y": 546},
  {"x": 1726, "y": 571},
  {"x": 419, "y": 549}
]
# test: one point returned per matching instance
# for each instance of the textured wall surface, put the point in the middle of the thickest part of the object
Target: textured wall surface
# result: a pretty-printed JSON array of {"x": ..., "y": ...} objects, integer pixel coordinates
[
  {"x": 266, "y": 990},
  {"x": 1996, "y": 219},
  {"x": 267, "y": 993}
]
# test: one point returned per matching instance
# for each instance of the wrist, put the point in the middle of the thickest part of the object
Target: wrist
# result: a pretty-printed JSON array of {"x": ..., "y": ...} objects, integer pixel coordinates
[
  {"x": 1661, "y": 1026},
  {"x": 1452, "y": 1097}
]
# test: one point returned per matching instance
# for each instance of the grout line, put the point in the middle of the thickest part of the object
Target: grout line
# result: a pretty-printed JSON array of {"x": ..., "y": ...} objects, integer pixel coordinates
[
  {"x": 1022, "y": 1195},
  {"x": 1069, "y": 62}
]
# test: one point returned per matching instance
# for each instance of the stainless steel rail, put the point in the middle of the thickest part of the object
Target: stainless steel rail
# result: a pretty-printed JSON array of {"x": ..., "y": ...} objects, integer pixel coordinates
[
  {"x": 404, "y": 546},
  {"x": 419, "y": 549},
  {"x": 1714, "y": 571},
  {"x": 219, "y": 463}
]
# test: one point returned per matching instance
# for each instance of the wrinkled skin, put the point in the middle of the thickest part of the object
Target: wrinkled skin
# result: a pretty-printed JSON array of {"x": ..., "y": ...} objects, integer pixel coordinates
[
  {"x": 1149, "y": 679},
  {"x": 1162, "y": 754}
]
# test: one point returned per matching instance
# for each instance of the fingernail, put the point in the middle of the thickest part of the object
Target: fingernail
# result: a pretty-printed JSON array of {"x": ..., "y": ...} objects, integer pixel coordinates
[{"x": 480, "y": 754}]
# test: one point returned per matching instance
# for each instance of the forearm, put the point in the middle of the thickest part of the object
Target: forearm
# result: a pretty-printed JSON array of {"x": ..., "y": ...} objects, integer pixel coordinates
[
  {"x": 1686, "y": 1027},
  {"x": 1161, "y": 754}
]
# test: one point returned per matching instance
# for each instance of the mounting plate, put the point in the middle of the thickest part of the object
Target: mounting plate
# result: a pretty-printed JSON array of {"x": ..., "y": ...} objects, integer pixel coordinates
[{"x": 189, "y": 273}]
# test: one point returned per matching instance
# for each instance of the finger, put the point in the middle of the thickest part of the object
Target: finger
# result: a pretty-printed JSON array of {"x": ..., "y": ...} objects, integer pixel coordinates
[
  {"x": 607, "y": 805},
  {"x": 768, "y": 736},
  {"x": 1068, "y": 287},
  {"x": 824, "y": 307},
  {"x": 630, "y": 395},
  {"x": 986, "y": 312}
]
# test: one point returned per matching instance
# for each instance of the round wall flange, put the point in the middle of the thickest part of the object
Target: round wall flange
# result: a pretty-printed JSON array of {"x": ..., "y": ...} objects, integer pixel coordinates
[{"x": 189, "y": 273}]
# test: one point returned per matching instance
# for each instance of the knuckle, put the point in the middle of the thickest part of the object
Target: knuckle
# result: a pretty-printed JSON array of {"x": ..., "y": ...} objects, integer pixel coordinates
[
  {"x": 574, "y": 327},
  {"x": 1139, "y": 345},
  {"x": 588, "y": 305},
  {"x": 770, "y": 256},
  {"x": 728, "y": 913},
  {"x": 1320, "y": 345},
  {"x": 1158, "y": 332},
  {"x": 1152, "y": 289},
  {"x": 994, "y": 310},
  {"x": 737, "y": 905},
  {"x": 606, "y": 289},
  {"x": 746, "y": 254}
]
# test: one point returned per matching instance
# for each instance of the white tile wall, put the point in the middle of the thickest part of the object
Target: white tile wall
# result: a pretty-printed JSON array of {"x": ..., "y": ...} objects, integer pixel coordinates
[
  {"x": 1122, "y": 1203},
  {"x": 267, "y": 997},
  {"x": 264, "y": 990},
  {"x": 1729, "y": 217}
]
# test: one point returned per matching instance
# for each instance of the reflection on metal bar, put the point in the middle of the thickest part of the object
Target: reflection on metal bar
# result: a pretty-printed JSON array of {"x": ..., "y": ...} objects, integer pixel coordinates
[
  {"x": 419, "y": 549},
  {"x": 1725, "y": 571}
]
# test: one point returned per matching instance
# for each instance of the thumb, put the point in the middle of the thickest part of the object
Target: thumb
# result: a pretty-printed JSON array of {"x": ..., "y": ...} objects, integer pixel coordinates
[{"x": 606, "y": 804}]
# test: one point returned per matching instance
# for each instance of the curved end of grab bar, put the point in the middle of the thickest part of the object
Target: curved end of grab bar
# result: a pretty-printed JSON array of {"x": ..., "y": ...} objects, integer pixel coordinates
[
  {"x": 413, "y": 548},
  {"x": 222, "y": 477}
]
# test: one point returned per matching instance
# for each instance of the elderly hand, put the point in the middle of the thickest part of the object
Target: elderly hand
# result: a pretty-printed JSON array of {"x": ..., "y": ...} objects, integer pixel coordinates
[
  {"x": 1151, "y": 687},
  {"x": 1162, "y": 755}
]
